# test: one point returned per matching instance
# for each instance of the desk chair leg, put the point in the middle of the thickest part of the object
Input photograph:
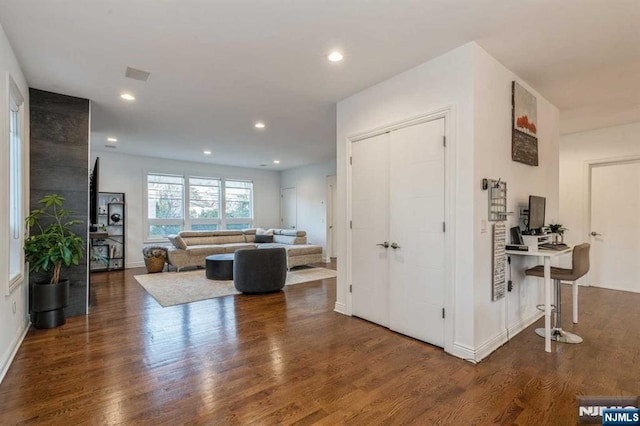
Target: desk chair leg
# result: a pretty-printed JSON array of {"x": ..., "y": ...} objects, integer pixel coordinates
[
  {"x": 575, "y": 302},
  {"x": 558, "y": 334}
]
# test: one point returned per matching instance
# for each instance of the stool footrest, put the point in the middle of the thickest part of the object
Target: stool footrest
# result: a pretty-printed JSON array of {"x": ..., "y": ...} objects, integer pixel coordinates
[{"x": 541, "y": 308}]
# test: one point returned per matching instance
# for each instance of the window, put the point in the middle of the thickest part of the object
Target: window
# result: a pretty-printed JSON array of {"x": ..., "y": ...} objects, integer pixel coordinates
[
  {"x": 175, "y": 203},
  {"x": 16, "y": 219},
  {"x": 204, "y": 204},
  {"x": 165, "y": 204},
  {"x": 238, "y": 204}
]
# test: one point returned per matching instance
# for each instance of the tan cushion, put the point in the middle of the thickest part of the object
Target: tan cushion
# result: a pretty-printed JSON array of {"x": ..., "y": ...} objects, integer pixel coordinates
[
  {"x": 219, "y": 239},
  {"x": 177, "y": 241},
  {"x": 184, "y": 234},
  {"x": 250, "y": 231},
  {"x": 295, "y": 250},
  {"x": 300, "y": 250},
  {"x": 250, "y": 238},
  {"x": 580, "y": 266},
  {"x": 230, "y": 248},
  {"x": 205, "y": 250}
]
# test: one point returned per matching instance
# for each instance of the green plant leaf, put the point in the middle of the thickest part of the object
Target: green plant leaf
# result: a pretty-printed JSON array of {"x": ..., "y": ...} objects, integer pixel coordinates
[{"x": 51, "y": 242}]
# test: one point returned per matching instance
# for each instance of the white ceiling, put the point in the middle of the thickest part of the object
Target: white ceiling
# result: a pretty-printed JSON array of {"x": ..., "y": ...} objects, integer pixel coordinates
[{"x": 218, "y": 66}]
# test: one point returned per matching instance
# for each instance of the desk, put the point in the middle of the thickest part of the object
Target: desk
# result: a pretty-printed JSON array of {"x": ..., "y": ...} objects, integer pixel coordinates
[{"x": 546, "y": 255}]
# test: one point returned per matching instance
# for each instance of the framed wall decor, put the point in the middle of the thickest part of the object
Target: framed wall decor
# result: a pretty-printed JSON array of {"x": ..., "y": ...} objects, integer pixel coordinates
[{"x": 524, "y": 132}]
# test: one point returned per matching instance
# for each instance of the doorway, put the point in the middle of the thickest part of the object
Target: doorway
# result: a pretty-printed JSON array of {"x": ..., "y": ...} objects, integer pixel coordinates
[
  {"x": 615, "y": 225},
  {"x": 289, "y": 208},
  {"x": 332, "y": 205}
]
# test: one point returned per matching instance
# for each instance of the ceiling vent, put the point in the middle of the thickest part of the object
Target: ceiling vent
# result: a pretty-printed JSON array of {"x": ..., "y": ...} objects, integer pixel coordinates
[
  {"x": 110, "y": 146},
  {"x": 137, "y": 74}
]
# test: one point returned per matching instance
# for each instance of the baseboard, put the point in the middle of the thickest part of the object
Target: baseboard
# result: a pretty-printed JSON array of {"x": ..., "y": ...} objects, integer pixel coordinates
[
  {"x": 464, "y": 352},
  {"x": 18, "y": 343},
  {"x": 518, "y": 327},
  {"x": 491, "y": 345},
  {"x": 341, "y": 308},
  {"x": 134, "y": 264},
  {"x": 476, "y": 355}
]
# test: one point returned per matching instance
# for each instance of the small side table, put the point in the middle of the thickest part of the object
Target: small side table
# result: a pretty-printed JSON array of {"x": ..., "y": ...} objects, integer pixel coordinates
[{"x": 219, "y": 266}]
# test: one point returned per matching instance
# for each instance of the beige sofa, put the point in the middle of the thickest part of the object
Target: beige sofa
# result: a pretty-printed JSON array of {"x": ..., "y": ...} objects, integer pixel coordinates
[{"x": 190, "y": 248}]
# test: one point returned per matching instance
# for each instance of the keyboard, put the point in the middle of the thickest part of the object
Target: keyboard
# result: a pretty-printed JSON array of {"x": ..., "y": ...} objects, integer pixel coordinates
[{"x": 550, "y": 246}]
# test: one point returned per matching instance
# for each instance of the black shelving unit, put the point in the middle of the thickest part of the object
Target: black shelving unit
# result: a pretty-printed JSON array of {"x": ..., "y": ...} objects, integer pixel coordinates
[{"x": 108, "y": 250}]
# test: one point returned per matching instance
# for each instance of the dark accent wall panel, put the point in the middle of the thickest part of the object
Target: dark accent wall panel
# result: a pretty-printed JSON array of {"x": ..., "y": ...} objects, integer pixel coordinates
[{"x": 60, "y": 164}]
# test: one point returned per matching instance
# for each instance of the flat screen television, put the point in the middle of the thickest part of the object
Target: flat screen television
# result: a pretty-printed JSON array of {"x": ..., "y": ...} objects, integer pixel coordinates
[
  {"x": 94, "y": 192},
  {"x": 535, "y": 217}
]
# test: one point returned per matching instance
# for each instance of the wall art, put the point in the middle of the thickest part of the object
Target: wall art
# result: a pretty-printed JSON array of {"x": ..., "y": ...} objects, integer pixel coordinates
[{"x": 524, "y": 140}]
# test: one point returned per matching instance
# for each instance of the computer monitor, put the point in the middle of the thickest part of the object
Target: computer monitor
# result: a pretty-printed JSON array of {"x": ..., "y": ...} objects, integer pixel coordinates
[{"x": 535, "y": 217}]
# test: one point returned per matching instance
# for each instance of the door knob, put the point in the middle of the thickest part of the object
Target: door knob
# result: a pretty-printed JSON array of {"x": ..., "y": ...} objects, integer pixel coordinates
[
  {"x": 385, "y": 244},
  {"x": 595, "y": 234},
  {"x": 395, "y": 246}
]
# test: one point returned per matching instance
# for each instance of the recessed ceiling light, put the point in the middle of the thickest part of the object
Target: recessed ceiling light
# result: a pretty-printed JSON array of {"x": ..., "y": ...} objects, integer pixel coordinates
[
  {"x": 335, "y": 56},
  {"x": 112, "y": 140},
  {"x": 259, "y": 125},
  {"x": 276, "y": 161},
  {"x": 127, "y": 97},
  {"x": 206, "y": 152}
]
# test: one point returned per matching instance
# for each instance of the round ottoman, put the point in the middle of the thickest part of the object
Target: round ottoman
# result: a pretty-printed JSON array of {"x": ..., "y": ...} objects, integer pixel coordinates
[
  {"x": 219, "y": 266},
  {"x": 154, "y": 258}
]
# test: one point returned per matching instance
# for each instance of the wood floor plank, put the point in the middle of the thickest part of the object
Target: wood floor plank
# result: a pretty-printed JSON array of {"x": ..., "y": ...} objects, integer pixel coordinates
[{"x": 287, "y": 358}]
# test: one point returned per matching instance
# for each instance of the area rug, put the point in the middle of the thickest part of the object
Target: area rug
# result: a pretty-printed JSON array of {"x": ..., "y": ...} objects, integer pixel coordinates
[{"x": 176, "y": 288}]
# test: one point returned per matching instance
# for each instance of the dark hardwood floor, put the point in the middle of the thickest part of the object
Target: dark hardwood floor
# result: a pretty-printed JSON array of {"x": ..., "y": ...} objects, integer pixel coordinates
[{"x": 287, "y": 358}]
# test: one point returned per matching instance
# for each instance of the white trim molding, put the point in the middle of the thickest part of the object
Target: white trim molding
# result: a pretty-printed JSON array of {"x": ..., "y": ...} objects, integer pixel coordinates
[{"x": 17, "y": 343}]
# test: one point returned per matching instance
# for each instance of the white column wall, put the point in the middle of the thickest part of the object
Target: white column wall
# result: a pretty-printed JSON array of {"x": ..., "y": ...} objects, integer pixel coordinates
[
  {"x": 443, "y": 82},
  {"x": 492, "y": 141},
  {"x": 14, "y": 324},
  {"x": 126, "y": 173}
]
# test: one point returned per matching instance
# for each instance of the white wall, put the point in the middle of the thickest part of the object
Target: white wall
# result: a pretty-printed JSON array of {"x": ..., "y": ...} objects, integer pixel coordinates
[
  {"x": 13, "y": 324},
  {"x": 311, "y": 193},
  {"x": 478, "y": 88},
  {"x": 126, "y": 173},
  {"x": 576, "y": 150},
  {"x": 492, "y": 141},
  {"x": 443, "y": 82}
]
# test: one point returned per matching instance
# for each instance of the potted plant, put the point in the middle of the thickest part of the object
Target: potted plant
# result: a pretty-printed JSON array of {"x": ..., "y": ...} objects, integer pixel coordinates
[
  {"x": 558, "y": 229},
  {"x": 51, "y": 245}
]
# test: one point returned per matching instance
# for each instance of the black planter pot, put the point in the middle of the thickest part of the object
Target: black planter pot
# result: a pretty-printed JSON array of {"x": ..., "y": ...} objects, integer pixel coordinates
[{"x": 47, "y": 304}]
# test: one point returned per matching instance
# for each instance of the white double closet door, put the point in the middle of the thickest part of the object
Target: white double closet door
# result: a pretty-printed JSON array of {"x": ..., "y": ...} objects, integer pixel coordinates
[{"x": 397, "y": 193}]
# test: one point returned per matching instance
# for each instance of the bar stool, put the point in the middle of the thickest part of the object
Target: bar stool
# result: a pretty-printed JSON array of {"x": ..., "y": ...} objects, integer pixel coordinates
[{"x": 580, "y": 266}]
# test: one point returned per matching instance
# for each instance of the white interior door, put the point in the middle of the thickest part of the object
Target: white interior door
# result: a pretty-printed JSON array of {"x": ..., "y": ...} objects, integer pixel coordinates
[
  {"x": 289, "y": 208},
  {"x": 615, "y": 219},
  {"x": 416, "y": 226},
  {"x": 370, "y": 218},
  {"x": 398, "y": 198}
]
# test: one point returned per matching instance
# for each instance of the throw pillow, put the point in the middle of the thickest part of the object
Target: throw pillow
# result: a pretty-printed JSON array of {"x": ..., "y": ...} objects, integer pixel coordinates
[
  {"x": 262, "y": 231},
  {"x": 261, "y": 238}
]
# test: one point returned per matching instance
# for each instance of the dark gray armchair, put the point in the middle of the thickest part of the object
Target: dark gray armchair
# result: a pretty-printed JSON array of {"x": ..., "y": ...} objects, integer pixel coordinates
[{"x": 260, "y": 271}]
